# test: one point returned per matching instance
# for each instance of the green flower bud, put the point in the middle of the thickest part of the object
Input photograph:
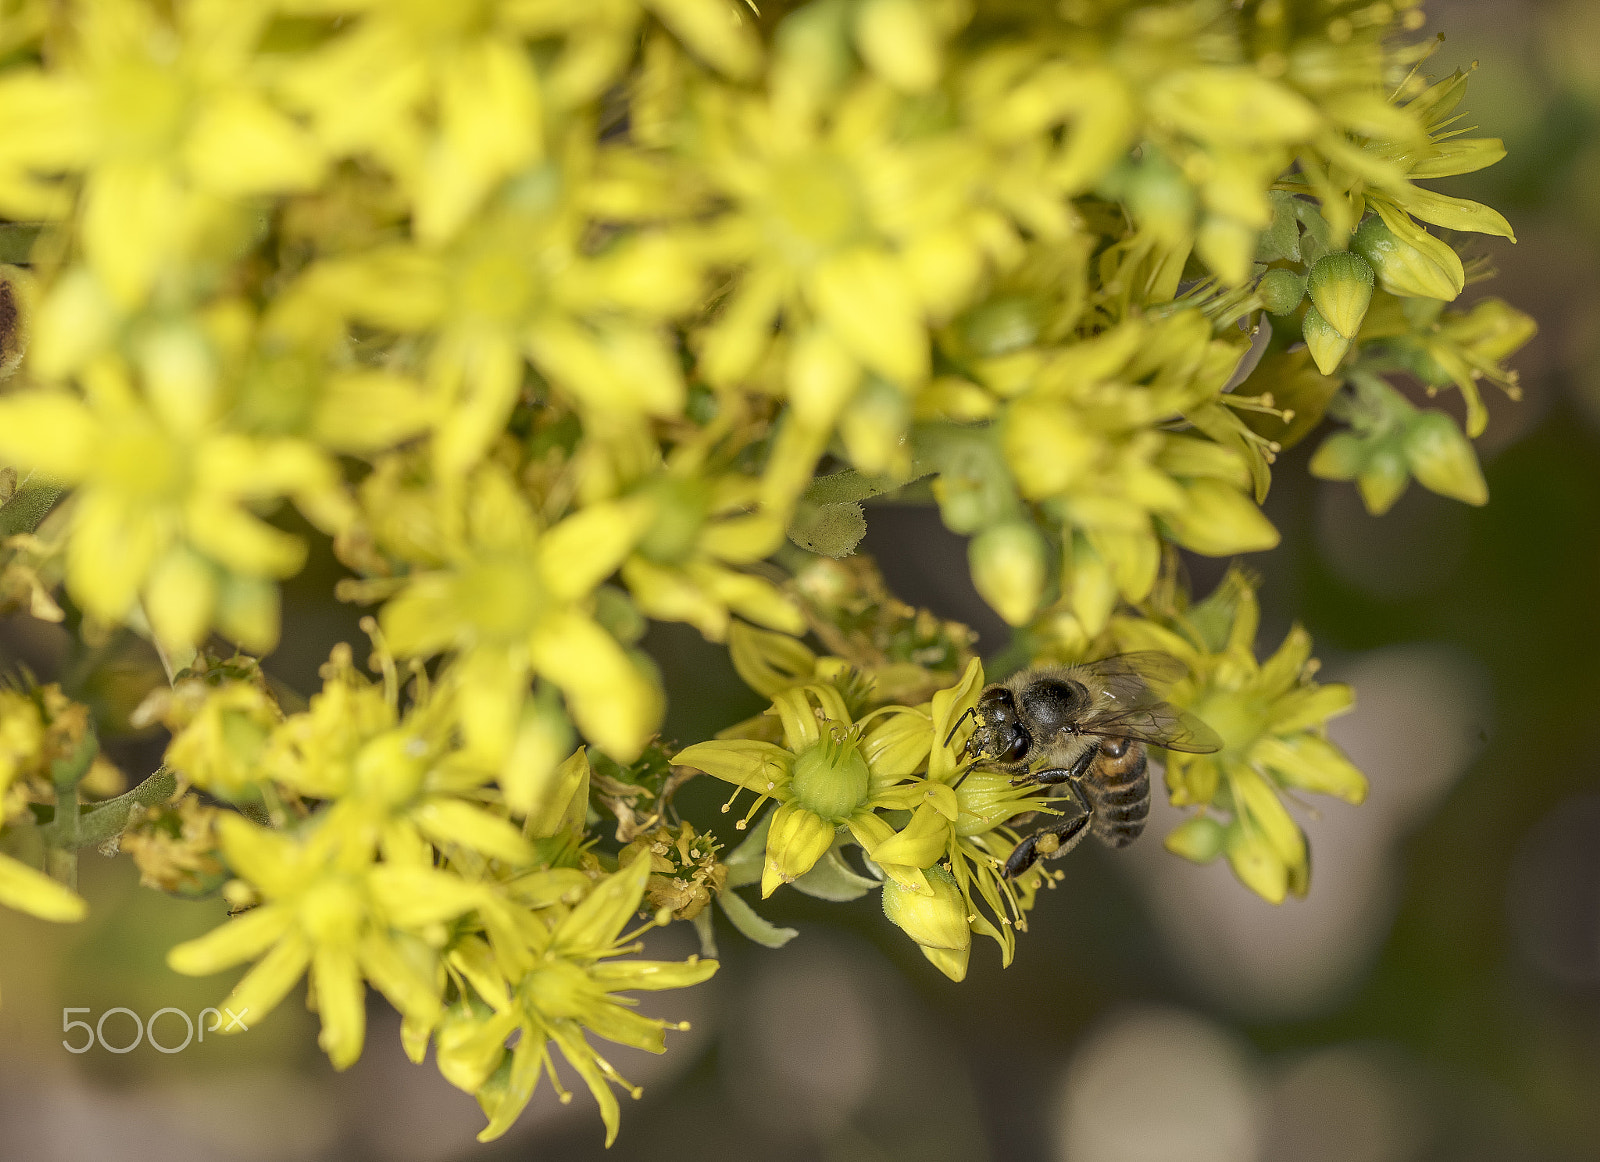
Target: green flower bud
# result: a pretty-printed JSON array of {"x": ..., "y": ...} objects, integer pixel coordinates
[
  {"x": 1008, "y": 567},
  {"x": 936, "y": 921},
  {"x": 1199, "y": 840},
  {"x": 1280, "y": 291},
  {"x": 1341, "y": 457},
  {"x": 1383, "y": 480},
  {"x": 1326, "y": 344},
  {"x": 1341, "y": 287},
  {"x": 873, "y": 428},
  {"x": 1161, "y": 199},
  {"x": 1401, "y": 268},
  {"x": 830, "y": 777},
  {"x": 467, "y": 1051},
  {"x": 1442, "y": 459},
  {"x": 1001, "y": 325}
]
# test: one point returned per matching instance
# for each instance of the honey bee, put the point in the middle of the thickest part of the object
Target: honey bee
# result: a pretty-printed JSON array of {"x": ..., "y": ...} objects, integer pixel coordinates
[{"x": 1084, "y": 728}]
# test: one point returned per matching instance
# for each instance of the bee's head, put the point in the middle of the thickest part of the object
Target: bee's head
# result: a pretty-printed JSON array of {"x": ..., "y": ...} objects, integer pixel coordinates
[{"x": 1000, "y": 735}]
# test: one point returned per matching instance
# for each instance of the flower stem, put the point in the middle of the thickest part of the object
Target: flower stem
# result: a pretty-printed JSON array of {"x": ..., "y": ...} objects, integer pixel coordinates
[{"x": 94, "y": 827}]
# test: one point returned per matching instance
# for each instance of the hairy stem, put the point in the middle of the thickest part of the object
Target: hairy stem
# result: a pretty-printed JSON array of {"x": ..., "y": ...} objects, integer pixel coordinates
[{"x": 92, "y": 828}]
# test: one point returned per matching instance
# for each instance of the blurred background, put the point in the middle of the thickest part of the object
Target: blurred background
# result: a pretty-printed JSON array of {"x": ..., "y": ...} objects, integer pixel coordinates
[{"x": 1436, "y": 998}]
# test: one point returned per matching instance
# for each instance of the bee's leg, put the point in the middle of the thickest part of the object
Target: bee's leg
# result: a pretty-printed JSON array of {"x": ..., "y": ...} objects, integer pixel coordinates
[
  {"x": 1054, "y": 840},
  {"x": 1052, "y": 775}
]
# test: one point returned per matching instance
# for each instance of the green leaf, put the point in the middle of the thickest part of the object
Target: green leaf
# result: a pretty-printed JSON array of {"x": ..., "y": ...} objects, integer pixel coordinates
[
  {"x": 752, "y": 926},
  {"x": 833, "y": 879},
  {"x": 1280, "y": 240}
]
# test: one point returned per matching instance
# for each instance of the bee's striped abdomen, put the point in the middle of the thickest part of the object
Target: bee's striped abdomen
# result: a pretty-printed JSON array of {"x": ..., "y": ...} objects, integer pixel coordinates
[{"x": 1118, "y": 789}]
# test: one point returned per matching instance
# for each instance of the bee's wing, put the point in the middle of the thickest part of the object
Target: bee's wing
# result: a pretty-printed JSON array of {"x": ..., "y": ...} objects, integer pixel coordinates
[
  {"x": 1158, "y": 723},
  {"x": 1129, "y": 677}
]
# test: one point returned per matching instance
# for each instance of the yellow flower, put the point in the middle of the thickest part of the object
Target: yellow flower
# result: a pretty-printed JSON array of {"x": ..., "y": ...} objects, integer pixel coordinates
[
  {"x": 37, "y": 729},
  {"x": 702, "y": 527},
  {"x": 331, "y": 909},
  {"x": 166, "y": 121},
  {"x": 162, "y": 504},
  {"x": 510, "y": 602},
  {"x": 518, "y": 284},
  {"x": 551, "y": 973},
  {"x": 829, "y": 773},
  {"x": 978, "y": 843},
  {"x": 1271, "y": 718},
  {"x": 448, "y": 97},
  {"x": 399, "y": 779},
  {"x": 856, "y": 232}
]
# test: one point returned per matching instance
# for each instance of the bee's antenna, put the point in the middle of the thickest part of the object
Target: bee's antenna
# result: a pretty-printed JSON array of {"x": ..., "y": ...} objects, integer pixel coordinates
[
  {"x": 962, "y": 777},
  {"x": 965, "y": 714}
]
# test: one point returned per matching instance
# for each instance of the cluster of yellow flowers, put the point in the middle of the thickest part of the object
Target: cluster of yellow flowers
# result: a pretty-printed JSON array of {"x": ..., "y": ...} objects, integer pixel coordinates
[{"x": 555, "y": 318}]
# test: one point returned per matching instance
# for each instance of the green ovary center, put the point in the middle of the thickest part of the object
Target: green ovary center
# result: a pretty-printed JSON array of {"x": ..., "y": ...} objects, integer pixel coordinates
[
  {"x": 498, "y": 286},
  {"x": 1239, "y": 719},
  {"x": 502, "y": 598},
  {"x": 815, "y": 206},
  {"x": 141, "y": 460},
  {"x": 830, "y": 779}
]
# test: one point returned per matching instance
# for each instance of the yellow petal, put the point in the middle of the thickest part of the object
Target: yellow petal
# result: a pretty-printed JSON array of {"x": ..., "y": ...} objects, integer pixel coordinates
[
  {"x": 612, "y": 701},
  {"x": 111, "y": 550},
  {"x": 595, "y": 923},
  {"x": 867, "y": 301},
  {"x": 240, "y": 145},
  {"x": 760, "y": 766},
  {"x": 445, "y": 820},
  {"x": 898, "y": 41},
  {"x": 586, "y": 548},
  {"x": 131, "y": 217},
  {"x": 489, "y": 127},
  {"x": 48, "y": 432},
  {"x": 716, "y": 32},
  {"x": 412, "y": 993},
  {"x": 536, "y": 782},
  {"x": 268, "y": 982},
  {"x": 241, "y": 938},
  {"x": 181, "y": 597},
  {"x": 920, "y": 843},
  {"x": 341, "y": 1002},
  {"x": 28, "y": 890}
]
